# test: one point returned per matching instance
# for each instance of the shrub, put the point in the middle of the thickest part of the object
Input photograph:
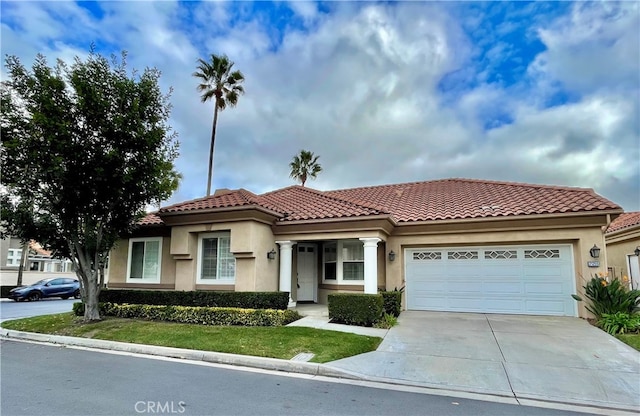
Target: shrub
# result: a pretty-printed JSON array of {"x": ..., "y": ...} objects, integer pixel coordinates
[
  {"x": 355, "y": 308},
  {"x": 202, "y": 315},
  {"x": 78, "y": 308},
  {"x": 609, "y": 297},
  {"x": 387, "y": 321},
  {"x": 249, "y": 300},
  {"x": 4, "y": 291},
  {"x": 619, "y": 323},
  {"x": 392, "y": 302}
]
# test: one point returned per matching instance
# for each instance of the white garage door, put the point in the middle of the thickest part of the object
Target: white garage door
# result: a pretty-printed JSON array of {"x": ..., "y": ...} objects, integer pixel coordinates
[{"x": 534, "y": 280}]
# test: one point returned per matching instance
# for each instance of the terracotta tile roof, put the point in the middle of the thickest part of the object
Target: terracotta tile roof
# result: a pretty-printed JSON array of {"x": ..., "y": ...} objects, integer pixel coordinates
[
  {"x": 417, "y": 201},
  {"x": 221, "y": 199},
  {"x": 470, "y": 198},
  {"x": 37, "y": 247},
  {"x": 151, "y": 218},
  {"x": 625, "y": 220},
  {"x": 300, "y": 203}
]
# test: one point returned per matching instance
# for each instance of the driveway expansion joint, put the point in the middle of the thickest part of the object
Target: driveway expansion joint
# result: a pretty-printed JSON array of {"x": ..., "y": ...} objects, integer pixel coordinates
[{"x": 504, "y": 368}]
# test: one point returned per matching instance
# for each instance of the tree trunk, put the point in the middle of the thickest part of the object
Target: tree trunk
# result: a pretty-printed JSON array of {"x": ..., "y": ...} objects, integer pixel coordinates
[
  {"x": 213, "y": 141},
  {"x": 87, "y": 271},
  {"x": 23, "y": 259},
  {"x": 90, "y": 295}
]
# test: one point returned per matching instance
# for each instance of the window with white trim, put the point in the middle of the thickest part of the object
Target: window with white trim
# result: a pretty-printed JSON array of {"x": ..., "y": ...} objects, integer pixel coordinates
[
  {"x": 145, "y": 259},
  {"x": 13, "y": 256},
  {"x": 343, "y": 262},
  {"x": 216, "y": 263},
  {"x": 330, "y": 261}
]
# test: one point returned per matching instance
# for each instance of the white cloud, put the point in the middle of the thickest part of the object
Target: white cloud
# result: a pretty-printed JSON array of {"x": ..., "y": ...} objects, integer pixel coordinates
[
  {"x": 358, "y": 85},
  {"x": 596, "y": 46}
]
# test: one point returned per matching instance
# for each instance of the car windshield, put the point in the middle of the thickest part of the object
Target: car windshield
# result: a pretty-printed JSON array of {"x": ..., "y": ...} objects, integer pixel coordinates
[{"x": 40, "y": 282}]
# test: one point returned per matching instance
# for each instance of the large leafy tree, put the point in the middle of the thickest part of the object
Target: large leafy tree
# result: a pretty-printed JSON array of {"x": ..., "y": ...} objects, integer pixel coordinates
[
  {"x": 305, "y": 165},
  {"x": 85, "y": 148},
  {"x": 219, "y": 83}
]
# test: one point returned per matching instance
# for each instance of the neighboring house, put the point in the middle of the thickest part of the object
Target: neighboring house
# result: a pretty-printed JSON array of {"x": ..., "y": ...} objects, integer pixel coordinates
[
  {"x": 622, "y": 237},
  {"x": 39, "y": 263},
  {"x": 454, "y": 244}
]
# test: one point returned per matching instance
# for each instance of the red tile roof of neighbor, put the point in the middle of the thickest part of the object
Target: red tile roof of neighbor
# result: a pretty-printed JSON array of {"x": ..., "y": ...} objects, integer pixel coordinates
[
  {"x": 416, "y": 201},
  {"x": 625, "y": 220},
  {"x": 151, "y": 218},
  {"x": 37, "y": 247}
]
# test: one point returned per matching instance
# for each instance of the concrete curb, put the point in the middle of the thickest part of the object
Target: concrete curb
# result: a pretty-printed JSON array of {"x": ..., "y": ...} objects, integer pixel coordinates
[{"x": 273, "y": 364}]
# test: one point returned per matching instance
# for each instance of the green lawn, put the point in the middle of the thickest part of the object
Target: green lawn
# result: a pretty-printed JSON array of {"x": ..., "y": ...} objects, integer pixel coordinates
[
  {"x": 630, "y": 339},
  {"x": 275, "y": 342}
]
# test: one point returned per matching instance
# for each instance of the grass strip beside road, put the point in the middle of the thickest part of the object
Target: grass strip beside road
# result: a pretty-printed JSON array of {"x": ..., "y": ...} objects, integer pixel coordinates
[
  {"x": 275, "y": 342},
  {"x": 630, "y": 339}
]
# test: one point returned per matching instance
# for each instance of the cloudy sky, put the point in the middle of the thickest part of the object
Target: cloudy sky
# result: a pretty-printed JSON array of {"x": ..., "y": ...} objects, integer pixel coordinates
[{"x": 390, "y": 92}]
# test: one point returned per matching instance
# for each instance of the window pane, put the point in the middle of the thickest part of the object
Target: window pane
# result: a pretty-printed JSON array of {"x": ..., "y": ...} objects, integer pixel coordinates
[
  {"x": 209, "y": 258},
  {"x": 13, "y": 257},
  {"x": 330, "y": 271},
  {"x": 227, "y": 262},
  {"x": 151, "y": 260},
  {"x": 352, "y": 251},
  {"x": 330, "y": 252},
  {"x": 137, "y": 259},
  {"x": 353, "y": 271}
]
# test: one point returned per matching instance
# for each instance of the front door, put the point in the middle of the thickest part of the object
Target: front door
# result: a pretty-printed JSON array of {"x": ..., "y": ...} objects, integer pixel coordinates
[{"x": 307, "y": 272}]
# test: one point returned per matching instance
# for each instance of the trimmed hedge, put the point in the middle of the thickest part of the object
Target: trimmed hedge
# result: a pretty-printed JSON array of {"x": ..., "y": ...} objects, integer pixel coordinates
[
  {"x": 247, "y": 300},
  {"x": 201, "y": 315},
  {"x": 355, "y": 308},
  {"x": 4, "y": 291},
  {"x": 392, "y": 302}
]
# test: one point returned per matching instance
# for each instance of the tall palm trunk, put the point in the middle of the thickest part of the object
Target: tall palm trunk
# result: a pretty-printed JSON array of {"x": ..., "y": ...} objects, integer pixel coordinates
[{"x": 213, "y": 141}]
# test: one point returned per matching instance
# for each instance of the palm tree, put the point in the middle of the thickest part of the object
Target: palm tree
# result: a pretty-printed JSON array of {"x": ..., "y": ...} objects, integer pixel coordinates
[
  {"x": 305, "y": 165},
  {"x": 217, "y": 81}
]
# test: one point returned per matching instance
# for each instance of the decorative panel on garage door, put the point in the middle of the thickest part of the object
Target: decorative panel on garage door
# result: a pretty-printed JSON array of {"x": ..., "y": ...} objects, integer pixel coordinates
[{"x": 535, "y": 280}]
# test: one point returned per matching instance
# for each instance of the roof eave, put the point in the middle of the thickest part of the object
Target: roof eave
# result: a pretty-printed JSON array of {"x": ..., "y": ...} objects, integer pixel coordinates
[
  {"x": 511, "y": 217},
  {"x": 339, "y": 219},
  {"x": 248, "y": 207},
  {"x": 624, "y": 230}
]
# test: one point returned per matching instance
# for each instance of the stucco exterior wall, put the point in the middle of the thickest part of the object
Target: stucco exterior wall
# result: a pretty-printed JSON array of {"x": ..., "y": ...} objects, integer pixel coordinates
[
  {"x": 252, "y": 239},
  {"x": 118, "y": 259},
  {"x": 619, "y": 246},
  {"x": 5, "y": 245},
  {"x": 250, "y": 242},
  {"x": 581, "y": 240}
]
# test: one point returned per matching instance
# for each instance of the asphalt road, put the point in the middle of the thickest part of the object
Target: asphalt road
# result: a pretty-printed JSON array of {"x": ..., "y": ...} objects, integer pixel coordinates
[
  {"x": 39, "y": 379},
  {"x": 10, "y": 309}
]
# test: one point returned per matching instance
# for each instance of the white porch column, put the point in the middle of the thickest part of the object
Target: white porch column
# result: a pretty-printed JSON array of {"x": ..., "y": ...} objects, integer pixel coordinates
[
  {"x": 285, "y": 267},
  {"x": 370, "y": 264}
]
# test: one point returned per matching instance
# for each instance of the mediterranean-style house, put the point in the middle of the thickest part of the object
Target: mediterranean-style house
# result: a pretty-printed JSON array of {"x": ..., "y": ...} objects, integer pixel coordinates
[
  {"x": 453, "y": 244},
  {"x": 622, "y": 237}
]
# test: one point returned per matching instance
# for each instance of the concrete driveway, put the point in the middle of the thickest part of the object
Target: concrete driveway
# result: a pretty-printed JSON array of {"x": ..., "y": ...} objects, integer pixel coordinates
[{"x": 557, "y": 359}]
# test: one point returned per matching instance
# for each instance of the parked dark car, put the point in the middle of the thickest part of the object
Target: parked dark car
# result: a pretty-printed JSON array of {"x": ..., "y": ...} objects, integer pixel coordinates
[{"x": 62, "y": 287}]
